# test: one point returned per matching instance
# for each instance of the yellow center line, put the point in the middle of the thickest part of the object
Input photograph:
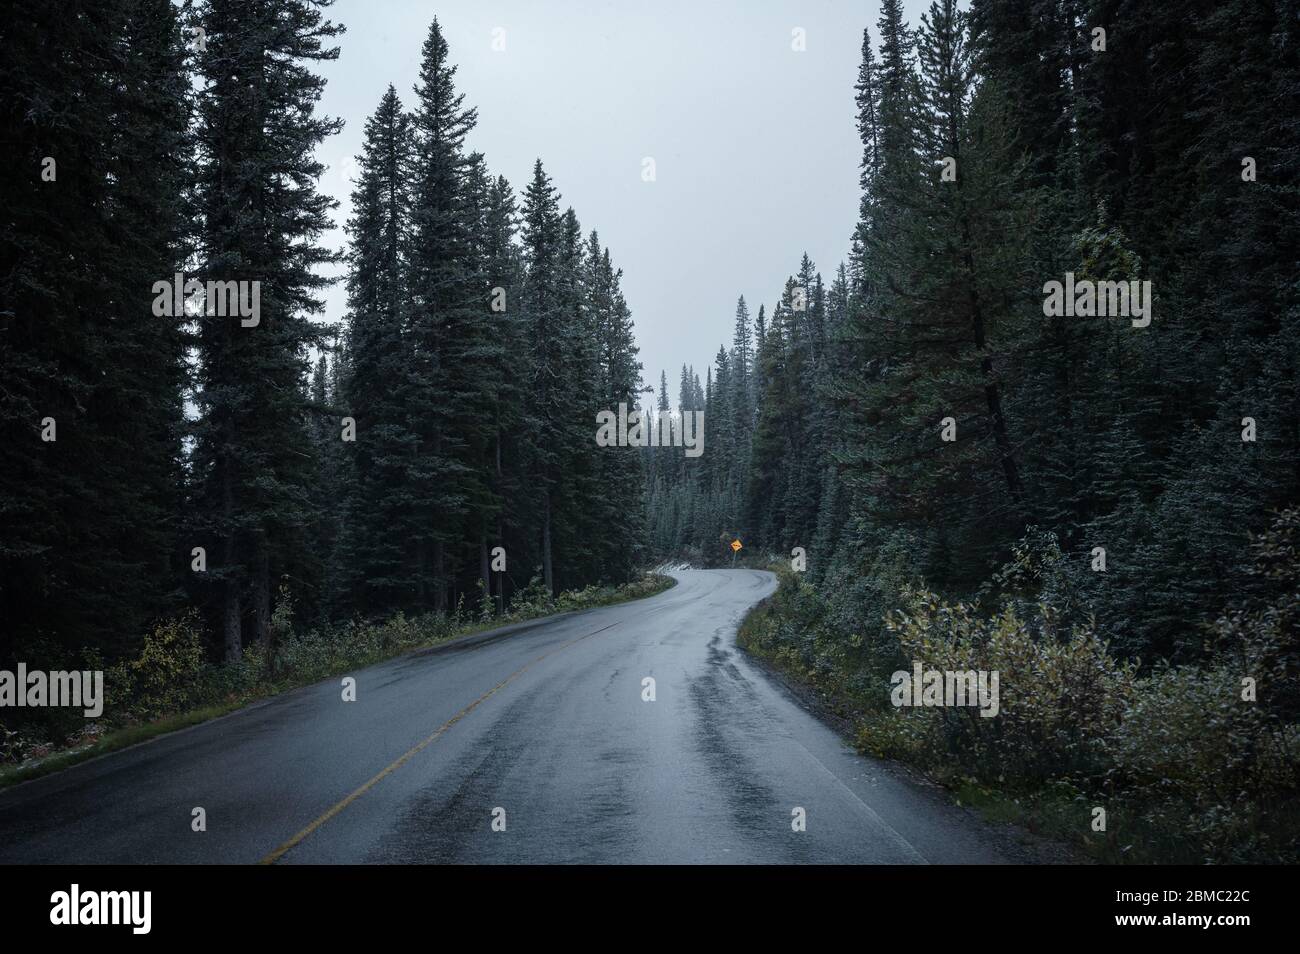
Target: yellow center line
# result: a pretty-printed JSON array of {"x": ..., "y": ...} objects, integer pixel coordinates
[{"x": 276, "y": 855}]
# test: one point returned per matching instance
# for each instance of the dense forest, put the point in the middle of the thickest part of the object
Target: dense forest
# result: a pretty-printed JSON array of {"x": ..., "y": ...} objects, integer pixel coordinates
[
  {"x": 926, "y": 441},
  {"x": 433, "y": 451},
  {"x": 1170, "y": 157}
]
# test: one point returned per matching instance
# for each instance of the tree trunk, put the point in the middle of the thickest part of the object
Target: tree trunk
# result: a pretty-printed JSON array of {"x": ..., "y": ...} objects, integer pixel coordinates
[
  {"x": 439, "y": 587},
  {"x": 230, "y": 618},
  {"x": 992, "y": 394},
  {"x": 548, "y": 576},
  {"x": 501, "y": 531},
  {"x": 230, "y": 597},
  {"x": 261, "y": 594},
  {"x": 422, "y": 574},
  {"x": 501, "y": 576}
]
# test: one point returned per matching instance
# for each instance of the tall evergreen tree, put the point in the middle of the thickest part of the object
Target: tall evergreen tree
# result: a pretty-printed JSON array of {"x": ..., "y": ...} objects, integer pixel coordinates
[
  {"x": 447, "y": 318},
  {"x": 549, "y": 336},
  {"x": 91, "y": 402},
  {"x": 619, "y": 502},
  {"x": 377, "y": 563},
  {"x": 263, "y": 219},
  {"x": 502, "y": 270}
]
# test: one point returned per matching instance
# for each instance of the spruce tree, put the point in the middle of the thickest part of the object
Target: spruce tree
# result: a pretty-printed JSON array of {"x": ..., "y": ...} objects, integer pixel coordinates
[
  {"x": 97, "y": 107},
  {"x": 263, "y": 220},
  {"x": 541, "y": 244},
  {"x": 448, "y": 312},
  {"x": 379, "y": 565}
]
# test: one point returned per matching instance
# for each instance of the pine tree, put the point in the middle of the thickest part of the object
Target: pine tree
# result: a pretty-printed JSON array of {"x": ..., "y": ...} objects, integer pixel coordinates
[
  {"x": 316, "y": 562},
  {"x": 1035, "y": 51},
  {"x": 263, "y": 221},
  {"x": 576, "y": 531},
  {"x": 867, "y": 98},
  {"x": 380, "y": 568},
  {"x": 448, "y": 308},
  {"x": 619, "y": 504},
  {"x": 502, "y": 268},
  {"x": 548, "y": 338},
  {"x": 96, "y": 212},
  {"x": 742, "y": 386}
]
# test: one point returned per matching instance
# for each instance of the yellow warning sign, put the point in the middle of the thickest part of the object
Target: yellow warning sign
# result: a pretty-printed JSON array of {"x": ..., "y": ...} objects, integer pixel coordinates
[{"x": 735, "y": 546}]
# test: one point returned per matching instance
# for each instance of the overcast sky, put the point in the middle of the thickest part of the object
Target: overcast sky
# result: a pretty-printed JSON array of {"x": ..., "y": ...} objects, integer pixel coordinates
[{"x": 755, "y": 148}]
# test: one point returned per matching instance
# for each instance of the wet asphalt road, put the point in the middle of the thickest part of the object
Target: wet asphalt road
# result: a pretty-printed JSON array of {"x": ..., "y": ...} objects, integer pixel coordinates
[{"x": 547, "y": 723}]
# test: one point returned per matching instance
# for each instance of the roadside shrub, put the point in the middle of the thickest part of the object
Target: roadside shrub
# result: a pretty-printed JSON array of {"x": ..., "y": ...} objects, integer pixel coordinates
[
  {"x": 860, "y": 590},
  {"x": 1188, "y": 733},
  {"x": 1060, "y": 696},
  {"x": 533, "y": 600},
  {"x": 163, "y": 677},
  {"x": 14, "y": 747},
  {"x": 581, "y": 599},
  {"x": 1189, "y": 770}
]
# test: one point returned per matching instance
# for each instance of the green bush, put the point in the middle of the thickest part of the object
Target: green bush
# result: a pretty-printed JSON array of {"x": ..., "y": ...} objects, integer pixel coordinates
[
  {"x": 1060, "y": 696},
  {"x": 533, "y": 600},
  {"x": 163, "y": 677},
  {"x": 1189, "y": 770},
  {"x": 1188, "y": 733}
]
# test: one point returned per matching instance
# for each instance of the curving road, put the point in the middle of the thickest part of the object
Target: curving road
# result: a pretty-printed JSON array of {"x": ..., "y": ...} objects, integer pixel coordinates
[{"x": 544, "y": 720}]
